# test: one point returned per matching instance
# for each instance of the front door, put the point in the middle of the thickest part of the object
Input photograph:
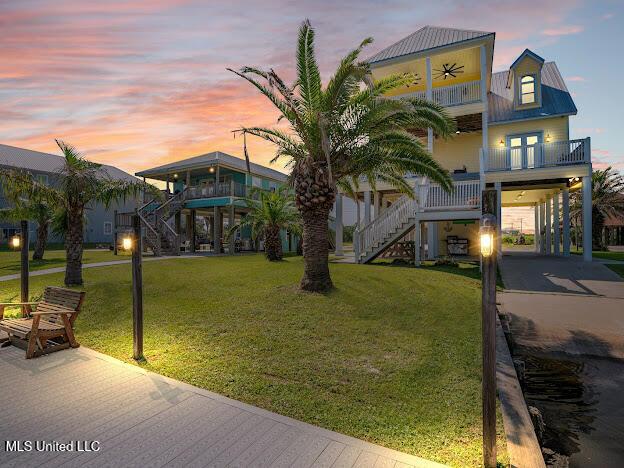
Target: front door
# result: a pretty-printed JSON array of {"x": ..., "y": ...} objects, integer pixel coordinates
[{"x": 523, "y": 151}]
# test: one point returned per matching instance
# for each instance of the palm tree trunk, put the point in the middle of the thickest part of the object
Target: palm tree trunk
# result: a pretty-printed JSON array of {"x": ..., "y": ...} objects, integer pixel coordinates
[
  {"x": 316, "y": 250},
  {"x": 73, "y": 249},
  {"x": 42, "y": 240},
  {"x": 273, "y": 244}
]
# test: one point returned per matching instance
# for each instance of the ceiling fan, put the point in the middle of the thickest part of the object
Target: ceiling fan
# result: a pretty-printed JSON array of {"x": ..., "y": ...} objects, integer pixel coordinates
[{"x": 449, "y": 70}]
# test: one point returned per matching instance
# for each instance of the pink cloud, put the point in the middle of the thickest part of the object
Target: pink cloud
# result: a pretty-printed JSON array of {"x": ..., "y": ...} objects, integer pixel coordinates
[
  {"x": 563, "y": 30},
  {"x": 576, "y": 78}
]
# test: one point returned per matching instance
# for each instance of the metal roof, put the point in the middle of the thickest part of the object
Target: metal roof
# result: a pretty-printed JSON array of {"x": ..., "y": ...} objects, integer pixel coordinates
[
  {"x": 210, "y": 159},
  {"x": 556, "y": 99},
  {"x": 428, "y": 37},
  {"x": 36, "y": 161}
]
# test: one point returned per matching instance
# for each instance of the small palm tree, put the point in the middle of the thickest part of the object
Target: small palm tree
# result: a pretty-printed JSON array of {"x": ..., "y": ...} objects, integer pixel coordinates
[
  {"x": 33, "y": 209},
  {"x": 607, "y": 202},
  {"x": 345, "y": 129},
  {"x": 81, "y": 182},
  {"x": 270, "y": 212}
]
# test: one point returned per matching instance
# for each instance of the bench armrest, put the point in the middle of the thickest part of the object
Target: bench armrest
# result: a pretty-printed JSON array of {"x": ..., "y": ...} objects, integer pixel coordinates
[{"x": 56, "y": 312}]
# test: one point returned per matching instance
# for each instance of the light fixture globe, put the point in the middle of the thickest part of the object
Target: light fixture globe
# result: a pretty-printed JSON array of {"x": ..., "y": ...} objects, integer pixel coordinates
[
  {"x": 16, "y": 241},
  {"x": 486, "y": 235},
  {"x": 126, "y": 243}
]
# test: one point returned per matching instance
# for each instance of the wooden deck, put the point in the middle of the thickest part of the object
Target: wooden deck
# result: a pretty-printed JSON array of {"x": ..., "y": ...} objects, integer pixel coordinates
[{"x": 143, "y": 419}]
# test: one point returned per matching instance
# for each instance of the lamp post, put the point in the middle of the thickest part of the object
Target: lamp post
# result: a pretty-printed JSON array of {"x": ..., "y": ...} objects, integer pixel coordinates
[
  {"x": 132, "y": 243},
  {"x": 488, "y": 242}
]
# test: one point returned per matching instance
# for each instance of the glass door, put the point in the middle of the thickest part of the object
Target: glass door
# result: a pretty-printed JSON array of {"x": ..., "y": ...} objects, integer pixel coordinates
[{"x": 524, "y": 151}]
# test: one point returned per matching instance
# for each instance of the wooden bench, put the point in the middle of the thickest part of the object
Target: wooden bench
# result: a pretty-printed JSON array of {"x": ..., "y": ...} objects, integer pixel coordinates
[{"x": 49, "y": 327}]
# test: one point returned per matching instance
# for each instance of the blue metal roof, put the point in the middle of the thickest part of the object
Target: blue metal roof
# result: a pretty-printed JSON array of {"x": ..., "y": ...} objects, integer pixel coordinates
[{"x": 556, "y": 99}]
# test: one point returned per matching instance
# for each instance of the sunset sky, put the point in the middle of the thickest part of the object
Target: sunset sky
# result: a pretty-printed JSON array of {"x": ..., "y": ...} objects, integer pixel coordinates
[{"x": 140, "y": 83}]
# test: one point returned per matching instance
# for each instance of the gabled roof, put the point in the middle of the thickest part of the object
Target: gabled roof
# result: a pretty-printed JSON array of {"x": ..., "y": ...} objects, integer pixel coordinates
[
  {"x": 429, "y": 37},
  {"x": 36, "y": 161},
  {"x": 556, "y": 99},
  {"x": 527, "y": 53},
  {"x": 209, "y": 159}
]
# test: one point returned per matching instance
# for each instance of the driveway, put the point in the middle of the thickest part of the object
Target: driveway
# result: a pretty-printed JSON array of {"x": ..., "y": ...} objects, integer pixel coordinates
[{"x": 567, "y": 324}]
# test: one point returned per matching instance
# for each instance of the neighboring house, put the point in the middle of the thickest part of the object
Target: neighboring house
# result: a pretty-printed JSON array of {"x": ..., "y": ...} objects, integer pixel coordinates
[
  {"x": 203, "y": 197},
  {"x": 45, "y": 168},
  {"x": 513, "y": 135}
]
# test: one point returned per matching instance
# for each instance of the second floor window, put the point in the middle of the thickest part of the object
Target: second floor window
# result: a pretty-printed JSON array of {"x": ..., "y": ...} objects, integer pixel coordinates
[
  {"x": 108, "y": 228},
  {"x": 527, "y": 89}
]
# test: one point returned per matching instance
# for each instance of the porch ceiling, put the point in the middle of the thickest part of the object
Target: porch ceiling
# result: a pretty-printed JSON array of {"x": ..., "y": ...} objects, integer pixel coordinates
[{"x": 525, "y": 197}]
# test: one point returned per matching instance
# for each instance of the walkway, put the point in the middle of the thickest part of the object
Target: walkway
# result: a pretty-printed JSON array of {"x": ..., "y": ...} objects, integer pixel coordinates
[
  {"x": 567, "y": 326},
  {"x": 143, "y": 419}
]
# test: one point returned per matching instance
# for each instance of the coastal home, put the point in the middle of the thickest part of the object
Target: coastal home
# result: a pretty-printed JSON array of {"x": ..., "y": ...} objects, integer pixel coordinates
[
  {"x": 45, "y": 168},
  {"x": 512, "y": 135},
  {"x": 203, "y": 197}
]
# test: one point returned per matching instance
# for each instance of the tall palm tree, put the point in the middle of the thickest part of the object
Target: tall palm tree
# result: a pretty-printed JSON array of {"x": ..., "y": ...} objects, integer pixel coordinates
[
  {"x": 270, "y": 212},
  {"x": 34, "y": 209},
  {"x": 346, "y": 128},
  {"x": 607, "y": 202},
  {"x": 81, "y": 183}
]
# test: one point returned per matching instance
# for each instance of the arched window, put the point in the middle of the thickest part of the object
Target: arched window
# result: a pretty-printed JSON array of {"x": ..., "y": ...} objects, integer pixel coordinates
[{"x": 527, "y": 89}]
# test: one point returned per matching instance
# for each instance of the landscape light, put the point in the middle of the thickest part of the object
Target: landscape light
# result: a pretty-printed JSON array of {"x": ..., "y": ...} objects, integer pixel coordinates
[
  {"x": 486, "y": 234},
  {"x": 126, "y": 243},
  {"x": 16, "y": 241}
]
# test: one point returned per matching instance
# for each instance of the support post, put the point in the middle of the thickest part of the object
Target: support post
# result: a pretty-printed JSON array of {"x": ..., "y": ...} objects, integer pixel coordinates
[
  {"x": 115, "y": 232},
  {"x": 417, "y": 233},
  {"x": 376, "y": 204},
  {"x": 556, "y": 225},
  {"x": 489, "y": 205},
  {"x": 339, "y": 225},
  {"x": 499, "y": 218},
  {"x": 484, "y": 115},
  {"x": 218, "y": 226},
  {"x": 367, "y": 207},
  {"x": 137, "y": 289},
  {"x": 432, "y": 240},
  {"x": 548, "y": 235},
  {"x": 192, "y": 230},
  {"x": 542, "y": 207},
  {"x": 536, "y": 229},
  {"x": 232, "y": 242},
  {"x": 24, "y": 275},
  {"x": 587, "y": 218}
]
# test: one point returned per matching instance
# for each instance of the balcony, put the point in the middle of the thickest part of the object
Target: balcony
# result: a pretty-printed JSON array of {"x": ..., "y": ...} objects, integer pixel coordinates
[
  {"x": 540, "y": 155},
  {"x": 214, "y": 190},
  {"x": 449, "y": 96},
  {"x": 466, "y": 195}
]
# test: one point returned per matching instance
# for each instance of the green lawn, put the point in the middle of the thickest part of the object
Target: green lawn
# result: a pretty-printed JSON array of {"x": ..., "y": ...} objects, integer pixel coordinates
[
  {"x": 391, "y": 356},
  {"x": 619, "y": 269},
  {"x": 604, "y": 255},
  {"x": 10, "y": 261}
]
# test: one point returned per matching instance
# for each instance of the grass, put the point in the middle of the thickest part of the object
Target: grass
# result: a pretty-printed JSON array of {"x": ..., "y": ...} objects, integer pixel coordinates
[
  {"x": 619, "y": 269},
  {"x": 10, "y": 261},
  {"x": 391, "y": 356},
  {"x": 601, "y": 254}
]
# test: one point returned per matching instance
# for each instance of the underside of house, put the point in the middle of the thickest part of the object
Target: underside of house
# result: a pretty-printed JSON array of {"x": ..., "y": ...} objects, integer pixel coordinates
[{"x": 512, "y": 136}]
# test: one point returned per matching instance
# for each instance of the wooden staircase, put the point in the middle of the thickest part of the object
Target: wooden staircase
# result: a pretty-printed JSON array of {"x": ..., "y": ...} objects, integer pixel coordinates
[{"x": 158, "y": 234}]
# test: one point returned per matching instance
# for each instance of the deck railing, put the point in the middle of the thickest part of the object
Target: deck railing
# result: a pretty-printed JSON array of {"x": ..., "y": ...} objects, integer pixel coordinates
[
  {"x": 558, "y": 153},
  {"x": 465, "y": 195},
  {"x": 454, "y": 95},
  {"x": 222, "y": 189}
]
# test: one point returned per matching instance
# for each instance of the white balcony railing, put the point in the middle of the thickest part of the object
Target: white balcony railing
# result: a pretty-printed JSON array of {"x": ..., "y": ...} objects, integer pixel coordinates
[
  {"x": 466, "y": 194},
  {"x": 559, "y": 153},
  {"x": 454, "y": 95}
]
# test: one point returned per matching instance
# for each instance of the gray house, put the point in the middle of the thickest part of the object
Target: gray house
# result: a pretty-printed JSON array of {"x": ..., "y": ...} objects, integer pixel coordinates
[{"x": 46, "y": 167}]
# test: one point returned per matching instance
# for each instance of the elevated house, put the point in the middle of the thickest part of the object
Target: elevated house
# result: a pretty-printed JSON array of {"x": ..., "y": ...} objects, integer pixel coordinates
[
  {"x": 203, "y": 197},
  {"x": 45, "y": 168},
  {"x": 512, "y": 135}
]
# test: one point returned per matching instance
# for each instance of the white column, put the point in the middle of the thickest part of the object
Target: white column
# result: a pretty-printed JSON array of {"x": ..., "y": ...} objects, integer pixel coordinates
[
  {"x": 542, "y": 227},
  {"x": 499, "y": 218},
  {"x": 536, "y": 229},
  {"x": 429, "y": 96},
  {"x": 367, "y": 207},
  {"x": 566, "y": 222},
  {"x": 587, "y": 218},
  {"x": 484, "y": 115},
  {"x": 339, "y": 250},
  {"x": 432, "y": 240},
  {"x": 548, "y": 235},
  {"x": 376, "y": 204},
  {"x": 556, "y": 230},
  {"x": 417, "y": 233}
]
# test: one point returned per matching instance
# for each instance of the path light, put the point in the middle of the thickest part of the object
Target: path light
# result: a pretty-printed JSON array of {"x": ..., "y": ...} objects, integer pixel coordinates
[
  {"x": 16, "y": 241},
  {"x": 126, "y": 243},
  {"x": 132, "y": 242},
  {"x": 487, "y": 235}
]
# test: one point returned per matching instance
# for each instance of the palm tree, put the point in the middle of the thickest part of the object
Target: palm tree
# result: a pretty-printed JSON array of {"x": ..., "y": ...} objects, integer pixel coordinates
[
  {"x": 270, "y": 212},
  {"x": 81, "y": 183},
  {"x": 34, "y": 209},
  {"x": 607, "y": 202},
  {"x": 344, "y": 129}
]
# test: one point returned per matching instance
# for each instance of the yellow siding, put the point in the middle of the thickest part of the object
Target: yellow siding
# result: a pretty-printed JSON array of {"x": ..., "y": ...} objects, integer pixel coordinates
[
  {"x": 461, "y": 150},
  {"x": 556, "y": 127},
  {"x": 528, "y": 66}
]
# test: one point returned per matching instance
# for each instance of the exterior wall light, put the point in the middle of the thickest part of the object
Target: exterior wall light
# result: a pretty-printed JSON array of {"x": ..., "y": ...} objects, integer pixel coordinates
[
  {"x": 16, "y": 241},
  {"x": 486, "y": 233},
  {"x": 548, "y": 138},
  {"x": 501, "y": 143},
  {"x": 211, "y": 169},
  {"x": 175, "y": 176}
]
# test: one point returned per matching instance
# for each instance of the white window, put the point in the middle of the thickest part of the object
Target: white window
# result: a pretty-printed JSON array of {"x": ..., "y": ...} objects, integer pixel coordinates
[
  {"x": 42, "y": 178},
  {"x": 108, "y": 227},
  {"x": 527, "y": 89}
]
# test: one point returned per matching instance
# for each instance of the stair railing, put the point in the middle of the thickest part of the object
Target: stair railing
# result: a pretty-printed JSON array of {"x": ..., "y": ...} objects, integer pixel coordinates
[{"x": 378, "y": 230}]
